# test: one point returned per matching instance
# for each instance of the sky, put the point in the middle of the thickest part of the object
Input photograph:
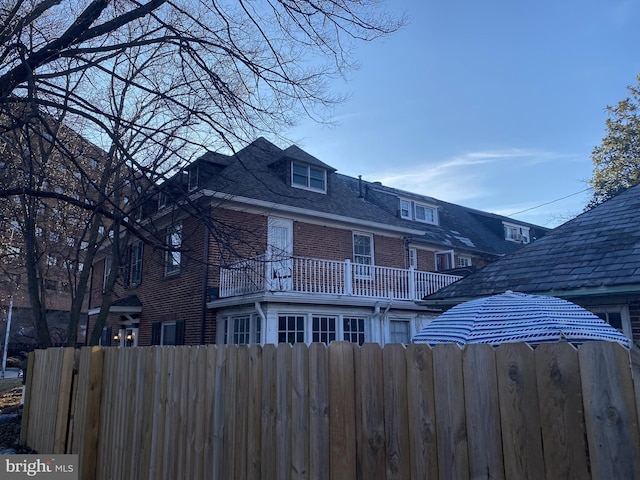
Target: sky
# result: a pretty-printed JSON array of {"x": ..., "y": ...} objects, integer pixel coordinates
[{"x": 493, "y": 105}]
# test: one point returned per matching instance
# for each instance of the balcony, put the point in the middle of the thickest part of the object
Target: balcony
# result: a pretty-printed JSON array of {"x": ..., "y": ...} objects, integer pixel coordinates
[{"x": 328, "y": 277}]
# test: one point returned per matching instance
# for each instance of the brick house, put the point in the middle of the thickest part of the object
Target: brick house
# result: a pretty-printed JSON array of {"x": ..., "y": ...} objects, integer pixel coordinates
[
  {"x": 592, "y": 260},
  {"x": 288, "y": 249}
]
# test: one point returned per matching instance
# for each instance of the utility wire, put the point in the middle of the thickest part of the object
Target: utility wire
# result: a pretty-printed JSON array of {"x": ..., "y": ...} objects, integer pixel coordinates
[{"x": 549, "y": 203}]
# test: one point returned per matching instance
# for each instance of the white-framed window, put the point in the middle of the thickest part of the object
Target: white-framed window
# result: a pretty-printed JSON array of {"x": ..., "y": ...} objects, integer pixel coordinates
[
  {"x": 323, "y": 329},
  {"x": 363, "y": 253},
  {"x": 516, "y": 233},
  {"x": 15, "y": 226},
  {"x": 291, "y": 328},
  {"x": 193, "y": 178},
  {"x": 52, "y": 260},
  {"x": 353, "y": 329},
  {"x": 425, "y": 213},
  {"x": 173, "y": 256},
  {"x": 242, "y": 329},
  {"x": 71, "y": 241},
  {"x": 413, "y": 257},
  {"x": 399, "y": 331},
  {"x": 617, "y": 316},
  {"x": 463, "y": 261},
  {"x": 38, "y": 232},
  {"x": 135, "y": 263},
  {"x": 108, "y": 262},
  {"x": 320, "y": 328},
  {"x": 54, "y": 237},
  {"x": 405, "y": 209},
  {"x": 93, "y": 163},
  {"x": 309, "y": 178}
]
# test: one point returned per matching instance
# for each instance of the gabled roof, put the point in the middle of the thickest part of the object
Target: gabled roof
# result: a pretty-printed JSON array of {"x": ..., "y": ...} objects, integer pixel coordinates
[
  {"x": 597, "y": 252},
  {"x": 259, "y": 172}
]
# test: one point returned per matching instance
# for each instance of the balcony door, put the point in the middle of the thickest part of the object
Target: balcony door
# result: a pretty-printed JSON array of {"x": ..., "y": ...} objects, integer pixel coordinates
[{"x": 280, "y": 254}]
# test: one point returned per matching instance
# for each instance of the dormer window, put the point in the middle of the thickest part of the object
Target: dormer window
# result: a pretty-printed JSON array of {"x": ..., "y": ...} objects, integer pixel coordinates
[
  {"x": 425, "y": 213},
  {"x": 193, "y": 178},
  {"x": 516, "y": 233},
  {"x": 419, "y": 212},
  {"x": 309, "y": 178},
  {"x": 405, "y": 209}
]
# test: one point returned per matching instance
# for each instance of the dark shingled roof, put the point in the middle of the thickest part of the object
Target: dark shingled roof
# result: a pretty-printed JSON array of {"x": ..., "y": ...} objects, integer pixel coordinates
[
  {"x": 596, "y": 252},
  {"x": 261, "y": 171}
]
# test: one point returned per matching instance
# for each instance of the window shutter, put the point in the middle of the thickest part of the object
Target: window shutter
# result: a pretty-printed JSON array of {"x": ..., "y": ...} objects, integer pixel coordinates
[
  {"x": 155, "y": 333},
  {"x": 179, "y": 332}
]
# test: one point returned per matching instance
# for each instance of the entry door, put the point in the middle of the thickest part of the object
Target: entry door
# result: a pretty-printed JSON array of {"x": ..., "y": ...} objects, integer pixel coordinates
[
  {"x": 280, "y": 254},
  {"x": 444, "y": 260}
]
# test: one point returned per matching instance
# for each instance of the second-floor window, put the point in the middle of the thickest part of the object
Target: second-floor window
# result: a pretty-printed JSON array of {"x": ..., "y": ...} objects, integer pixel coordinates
[
  {"x": 193, "y": 178},
  {"x": 173, "y": 255},
  {"x": 363, "y": 253},
  {"x": 108, "y": 262},
  {"x": 304, "y": 176},
  {"x": 135, "y": 263}
]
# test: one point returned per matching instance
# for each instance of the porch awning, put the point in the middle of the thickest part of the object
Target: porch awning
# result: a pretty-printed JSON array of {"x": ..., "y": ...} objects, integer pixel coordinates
[
  {"x": 518, "y": 317},
  {"x": 128, "y": 305}
]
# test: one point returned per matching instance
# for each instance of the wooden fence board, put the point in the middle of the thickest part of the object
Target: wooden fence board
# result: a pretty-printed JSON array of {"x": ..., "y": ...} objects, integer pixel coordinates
[
  {"x": 453, "y": 462},
  {"x": 283, "y": 411},
  {"x": 199, "y": 414},
  {"x": 610, "y": 411},
  {"x": 28, "y": 388},
  {"x": 318, "y": 411},
  {"x": 300, "y": 412},
  {"x": 269, "y": 369},
  {"x": 372, "y": 446},
  {"x": 342, "y": 430},
  {"x": 90, "y": 369},
  {"x": 254, "y": 437},
  {"x": 520, "y": 416},
  {"x": 421, "y": 409},
  {"x": 241, "y": 396},
  {"x": 561, "y": 413},
  {"x": 210, "y": 409},
  {"x": 398, "y": 461},
  {"x": 484, "y": 435}
]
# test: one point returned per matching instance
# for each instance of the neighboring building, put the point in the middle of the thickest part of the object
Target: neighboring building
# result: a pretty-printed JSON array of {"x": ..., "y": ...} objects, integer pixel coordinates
[
  {"x": 292, "y": 251},
  {"x": 59, "y": 228},
  {"x": 592, "y": 260}
]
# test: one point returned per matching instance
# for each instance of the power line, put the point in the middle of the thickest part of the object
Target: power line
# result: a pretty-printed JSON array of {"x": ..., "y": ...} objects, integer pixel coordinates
[{"x": 549, "y": 203}]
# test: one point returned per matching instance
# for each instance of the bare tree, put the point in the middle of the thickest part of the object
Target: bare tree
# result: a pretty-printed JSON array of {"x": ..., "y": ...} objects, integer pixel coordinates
[{"x": 150, "y": 84}]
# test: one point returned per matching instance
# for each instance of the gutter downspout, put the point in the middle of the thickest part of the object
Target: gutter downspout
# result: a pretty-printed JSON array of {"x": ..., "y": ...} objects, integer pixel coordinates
[{"x": 263, "y": 319}]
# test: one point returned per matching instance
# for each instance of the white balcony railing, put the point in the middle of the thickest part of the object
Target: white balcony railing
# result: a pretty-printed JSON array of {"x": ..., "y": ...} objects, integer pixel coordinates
[{"x": 328, "y": 277}]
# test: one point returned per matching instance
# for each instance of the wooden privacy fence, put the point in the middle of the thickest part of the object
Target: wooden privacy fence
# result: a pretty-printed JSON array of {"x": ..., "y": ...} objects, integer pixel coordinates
[{"x": 338, "y": 412}]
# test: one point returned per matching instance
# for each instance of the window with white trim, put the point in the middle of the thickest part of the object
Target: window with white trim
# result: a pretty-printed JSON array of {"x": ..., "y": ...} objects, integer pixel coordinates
[
  {"x": 173, "y": 255},
  {"x": 516, "y": 233},
  {"x": 168, "y": 333},
  {"x": 425, "y": 213},
  {"x": 323, "y": 329},
  {"x": 399, "y": 331},
  {"x": 353, "y": 329},
  {"x": 108, "y": 262},
  {"x": 291, "y": 328},
  {"x": 413, "y": 257},
  {"x": 363, "y": 253},
  {"x": 617, "y": 316},
  {"x": 135, "y": 263},
  {"x": 405, "y": 209},
  {"x": 463, "y": 261},
  {"x": 309, "y": 178},
  {"x": 193, "y": 178}
]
